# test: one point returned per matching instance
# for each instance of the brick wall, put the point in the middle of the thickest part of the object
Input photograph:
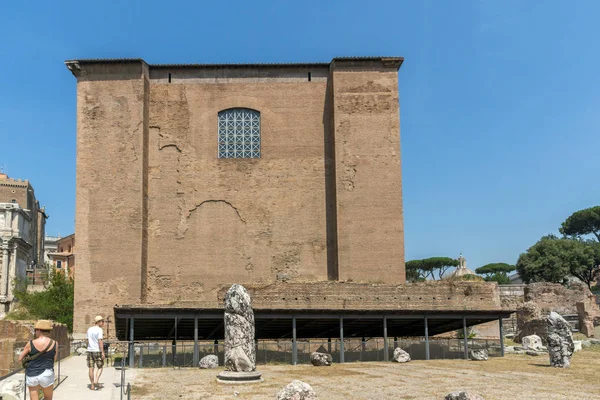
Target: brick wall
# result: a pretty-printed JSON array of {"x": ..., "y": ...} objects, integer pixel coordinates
[
  {"x": 160, "y": 218},
  {"x": 14, "y": 335},
  {"x": 439, "y": 295}
]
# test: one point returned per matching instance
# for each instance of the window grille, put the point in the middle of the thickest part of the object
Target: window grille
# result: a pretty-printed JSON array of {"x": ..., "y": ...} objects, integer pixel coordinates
[{"x": 239, "y": 133}]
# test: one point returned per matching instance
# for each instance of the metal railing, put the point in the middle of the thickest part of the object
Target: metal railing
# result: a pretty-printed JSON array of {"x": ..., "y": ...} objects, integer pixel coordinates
[
  {"x": 124, "y": 389},
  {"x": 182, "y": 354}
]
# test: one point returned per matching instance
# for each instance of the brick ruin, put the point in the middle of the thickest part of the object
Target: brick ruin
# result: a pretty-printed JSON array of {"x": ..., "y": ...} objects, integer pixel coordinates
[
  {"x": 309, "y": 217},
  {"x": 14, "y": 335}
]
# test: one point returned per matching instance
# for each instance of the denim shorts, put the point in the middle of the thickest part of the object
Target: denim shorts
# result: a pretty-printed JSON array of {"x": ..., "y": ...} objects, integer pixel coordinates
[{"x": 44, "y": 379}]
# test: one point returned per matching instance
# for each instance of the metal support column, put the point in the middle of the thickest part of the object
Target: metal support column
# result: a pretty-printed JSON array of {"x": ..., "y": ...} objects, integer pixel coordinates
[
  {"x": 341, "y": 339},
  {"x": 501, "y": 337},
  {"x": 196, "y": 350},
  {"x": 426, "y": 338},
  {"x": 294, "y": 343},
  {"x": 363, "y": 348},
  {"x": 131, "y": 349},
  {"x": 465, "y": 338},
  {"x": 329, "y": 345},
  {"x": 386, "y": 351},
  {"x": 174, "y": 344}
]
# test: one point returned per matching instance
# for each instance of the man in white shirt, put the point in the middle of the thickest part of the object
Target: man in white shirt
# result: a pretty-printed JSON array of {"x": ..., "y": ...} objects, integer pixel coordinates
[{"x": 95, "y": 351}]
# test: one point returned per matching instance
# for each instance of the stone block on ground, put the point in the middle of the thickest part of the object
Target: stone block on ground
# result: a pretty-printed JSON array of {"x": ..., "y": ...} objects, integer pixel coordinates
[
  {"x": 400, "y": 356},
  {"x": 531, "y": 342},
  {"x": 560, "y": 341},
  {"x": 478, "y": 355},
  {"x": 81, "y": 351},
  {"x": 297, "y": 390},
  {"x": 463, "y": 396},
  {"x": 536, "y": 353},
  {"x": 209, "y": 362},
  {"x": 320, "y": 359},
  {"x": 577, "y": 346}
]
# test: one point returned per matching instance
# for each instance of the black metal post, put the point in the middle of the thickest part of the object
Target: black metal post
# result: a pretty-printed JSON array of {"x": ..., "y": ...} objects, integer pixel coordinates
[
  {"x": 465, "y": 338},
  {"x": 329, "y": 345},
  {"x": 131, "y": 349},
  {"x": 363, "y": 348},
  {"x": 386, "y": 351},
  {"x": 426, "y": 338},
  {"x": 196, "y": 350},
  {"x": 341, "y": 339},
  {"x": 501, "y": 337},
  {"x": 294, "y": 343},
  {"x": 174, "y": 343}
]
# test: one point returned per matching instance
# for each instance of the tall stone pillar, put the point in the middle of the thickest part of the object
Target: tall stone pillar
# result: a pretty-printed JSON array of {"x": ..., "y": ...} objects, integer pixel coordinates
[
  {"x": 4, "y": 282},
  {"x": 12, "y": 272}
]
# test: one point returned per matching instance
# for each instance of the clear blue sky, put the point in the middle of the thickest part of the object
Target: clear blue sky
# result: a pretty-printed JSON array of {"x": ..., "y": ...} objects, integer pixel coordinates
[{"x": 499, "y": 100}]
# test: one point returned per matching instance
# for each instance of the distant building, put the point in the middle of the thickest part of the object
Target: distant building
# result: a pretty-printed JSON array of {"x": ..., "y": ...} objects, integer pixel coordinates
[
  {"x": 515, "y": 279},
  {"x": 50, "y": 246},
  {"x": 64, "y": 258},
  {"x": 22, "y": 229},
  {"x": 462, "y": 269}
]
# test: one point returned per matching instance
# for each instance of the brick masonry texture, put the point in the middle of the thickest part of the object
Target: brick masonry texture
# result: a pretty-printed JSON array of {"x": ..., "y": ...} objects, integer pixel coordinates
[
  {"x": 14, "y": 335},
  {"x": 161, "y": 219}
]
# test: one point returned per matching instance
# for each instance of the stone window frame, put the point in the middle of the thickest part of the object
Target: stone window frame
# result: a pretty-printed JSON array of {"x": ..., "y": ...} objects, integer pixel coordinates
[{"x": 239, "y": 133}]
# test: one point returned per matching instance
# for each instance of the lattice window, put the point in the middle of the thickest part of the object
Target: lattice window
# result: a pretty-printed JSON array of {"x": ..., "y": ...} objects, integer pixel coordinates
[{"x": 239, "y": 133}]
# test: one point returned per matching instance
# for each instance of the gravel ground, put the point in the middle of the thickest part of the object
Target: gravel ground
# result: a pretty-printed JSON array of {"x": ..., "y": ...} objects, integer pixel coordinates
[{"x": 511, "y": 377}]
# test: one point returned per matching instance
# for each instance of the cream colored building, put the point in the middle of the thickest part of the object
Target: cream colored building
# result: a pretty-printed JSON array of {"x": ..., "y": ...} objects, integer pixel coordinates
[{"x": 22, "y": 224}]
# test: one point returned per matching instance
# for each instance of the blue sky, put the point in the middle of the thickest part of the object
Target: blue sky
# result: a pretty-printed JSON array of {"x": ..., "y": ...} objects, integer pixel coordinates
[{"x": 499, "y": 100}]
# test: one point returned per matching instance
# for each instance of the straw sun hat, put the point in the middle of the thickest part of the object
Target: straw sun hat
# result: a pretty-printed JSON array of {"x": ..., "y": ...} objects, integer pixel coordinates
[
  {"x": 43, "y": 325},
  {"x": 98, "y": 319}
]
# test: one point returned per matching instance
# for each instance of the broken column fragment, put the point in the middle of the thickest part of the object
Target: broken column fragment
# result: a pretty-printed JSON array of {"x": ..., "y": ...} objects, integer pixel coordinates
[{"x": 240, "y": 350}]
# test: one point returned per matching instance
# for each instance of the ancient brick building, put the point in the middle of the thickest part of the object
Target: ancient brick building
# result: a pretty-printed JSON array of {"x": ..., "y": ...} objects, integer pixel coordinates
[
  {"x": 22, "y": 230},
  {"x": 283, "y": 177}
]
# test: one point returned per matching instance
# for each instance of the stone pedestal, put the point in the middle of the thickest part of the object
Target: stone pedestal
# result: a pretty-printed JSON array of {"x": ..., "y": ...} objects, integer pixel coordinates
[{"x": 239, "y": 377}]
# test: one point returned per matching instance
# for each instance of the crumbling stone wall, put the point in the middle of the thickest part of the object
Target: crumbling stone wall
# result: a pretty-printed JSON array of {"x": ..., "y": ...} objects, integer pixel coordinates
[
  {"x": 541, "y": 298},
  {"x": 438, "y": 295},
  {"x": 14, "y": 335}
]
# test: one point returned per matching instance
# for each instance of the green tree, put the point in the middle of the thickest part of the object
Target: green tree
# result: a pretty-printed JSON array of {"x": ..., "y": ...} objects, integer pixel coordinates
[
  {"x": 554, "y": 259},
  {"x": 496, "y": 272},
  {"x": 55, "y": 303},
  {"x": 583, "y": 222},
  {"x": 428, "y": 268}
]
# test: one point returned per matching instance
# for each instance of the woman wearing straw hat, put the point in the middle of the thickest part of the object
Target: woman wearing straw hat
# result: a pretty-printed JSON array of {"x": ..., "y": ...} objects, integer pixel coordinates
[{"x": 39, "y": 373}]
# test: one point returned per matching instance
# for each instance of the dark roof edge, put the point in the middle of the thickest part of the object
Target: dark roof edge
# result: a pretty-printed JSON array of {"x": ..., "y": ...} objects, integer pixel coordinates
[{"x": 73, "y": 64}]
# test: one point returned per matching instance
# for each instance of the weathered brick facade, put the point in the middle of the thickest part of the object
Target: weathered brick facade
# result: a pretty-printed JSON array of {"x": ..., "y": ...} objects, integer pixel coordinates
[{"x": 323, "y": 202}]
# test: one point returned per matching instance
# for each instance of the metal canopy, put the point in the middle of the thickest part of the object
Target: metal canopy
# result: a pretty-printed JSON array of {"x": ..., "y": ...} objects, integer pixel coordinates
[{"x": 178, "y": 324}]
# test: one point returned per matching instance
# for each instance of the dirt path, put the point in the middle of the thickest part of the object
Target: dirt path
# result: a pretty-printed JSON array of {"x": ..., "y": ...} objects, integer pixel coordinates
[{"x": 511, "y": 377}]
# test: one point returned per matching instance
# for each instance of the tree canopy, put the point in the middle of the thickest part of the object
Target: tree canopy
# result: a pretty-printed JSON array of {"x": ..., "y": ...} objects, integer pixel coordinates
[
  {"x": 554, "y": 259},
  {"x": 55, "y": 303},
  {"x": 428, "y": 268},
  {"x": 493, "y": 268},
  {"x": 496, "y": 272},
  {"x": 583, "y": 222}
]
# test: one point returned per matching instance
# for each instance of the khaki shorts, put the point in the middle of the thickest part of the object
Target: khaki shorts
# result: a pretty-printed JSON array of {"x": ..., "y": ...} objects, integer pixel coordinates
[{"x": 94, "y": 359}]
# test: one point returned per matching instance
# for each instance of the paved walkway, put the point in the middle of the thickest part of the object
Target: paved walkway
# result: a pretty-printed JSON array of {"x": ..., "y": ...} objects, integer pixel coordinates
[{"x": 76, "y": 385}]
